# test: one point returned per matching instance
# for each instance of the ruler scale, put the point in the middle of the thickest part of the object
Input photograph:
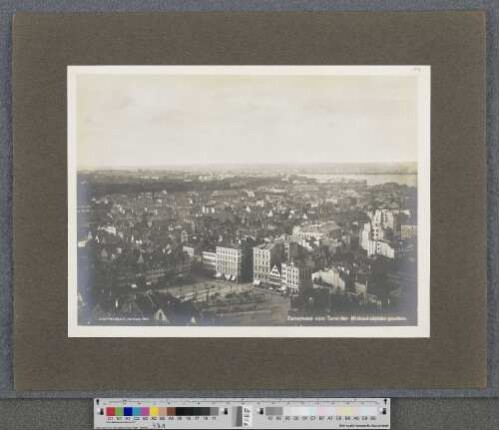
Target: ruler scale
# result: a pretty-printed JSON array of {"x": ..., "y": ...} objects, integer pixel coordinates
[{"x": 236, "y": 413}]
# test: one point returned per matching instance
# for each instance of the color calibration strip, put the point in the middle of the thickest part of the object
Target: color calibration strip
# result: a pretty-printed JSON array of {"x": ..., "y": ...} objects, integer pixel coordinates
[
  {"x": 160, "y": 411},
  {"x": 240, "y": 413}
]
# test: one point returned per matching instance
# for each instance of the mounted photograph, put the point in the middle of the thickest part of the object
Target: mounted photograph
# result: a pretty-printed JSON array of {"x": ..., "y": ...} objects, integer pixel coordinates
[{"x": 249, "y": 201}]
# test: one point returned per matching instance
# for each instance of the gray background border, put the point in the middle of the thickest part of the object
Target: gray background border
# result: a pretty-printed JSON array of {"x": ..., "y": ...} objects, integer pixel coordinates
[
  {"x": 8, "y": 8},
  {"x": 407, "y": 414}
]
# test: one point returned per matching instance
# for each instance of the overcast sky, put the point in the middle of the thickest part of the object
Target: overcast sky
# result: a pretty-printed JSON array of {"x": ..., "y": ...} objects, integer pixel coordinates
[{"x": 157, "y": 120}]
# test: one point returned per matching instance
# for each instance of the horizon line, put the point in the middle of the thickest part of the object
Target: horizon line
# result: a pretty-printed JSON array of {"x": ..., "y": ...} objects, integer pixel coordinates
[{"x": 240, "y": 164}]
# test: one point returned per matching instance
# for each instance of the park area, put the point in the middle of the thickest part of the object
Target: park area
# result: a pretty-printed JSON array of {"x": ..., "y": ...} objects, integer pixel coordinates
[{"x": 224, "y": 302}]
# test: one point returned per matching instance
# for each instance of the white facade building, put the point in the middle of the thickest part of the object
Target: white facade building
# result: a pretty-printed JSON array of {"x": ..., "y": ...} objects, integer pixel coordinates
[
  {"x": 231, "y": 262},
  {"x": 265, "y": 257},
  {"x": 209, "y": 260},
  {"x": 295, "y": 277}
]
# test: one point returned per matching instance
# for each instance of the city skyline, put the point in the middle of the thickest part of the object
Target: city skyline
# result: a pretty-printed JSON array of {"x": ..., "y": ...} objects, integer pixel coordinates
[
  {"x": 411, "y": 166},
  {"x": 248, "y": 201}
]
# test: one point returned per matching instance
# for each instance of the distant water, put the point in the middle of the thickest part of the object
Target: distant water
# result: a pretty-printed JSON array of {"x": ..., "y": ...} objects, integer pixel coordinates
[{"x": 408, "y": 179}]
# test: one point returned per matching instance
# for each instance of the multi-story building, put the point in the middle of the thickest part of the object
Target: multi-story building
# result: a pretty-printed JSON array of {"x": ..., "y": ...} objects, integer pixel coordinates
[
  {"x": 295, "y": 276},
  {"x": 192, "y": 251},
  {"x": 372, "y": 231},
  {"x": 209, "y": 260},
  {"x": 291, "y": 250},
  {"x": 408, "y": 231},
  {"x": 387, "y": 218},
  {"x": 208, "y": 208},
  {"x": 265, "y": 257},
  {"x": 381, "y": 247},
  {"x": 365, "y": 236},
  {"x": 373, "y": 239},
  {"x": 234, "y": 262}
]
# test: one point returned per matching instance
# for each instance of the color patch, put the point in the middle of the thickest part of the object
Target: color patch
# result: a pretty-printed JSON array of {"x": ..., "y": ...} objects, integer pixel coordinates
[{"x": 155, "y": 411}]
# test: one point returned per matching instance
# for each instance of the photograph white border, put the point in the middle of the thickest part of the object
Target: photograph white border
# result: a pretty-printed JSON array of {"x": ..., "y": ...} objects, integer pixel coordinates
[{"x": 422, "y": 329}]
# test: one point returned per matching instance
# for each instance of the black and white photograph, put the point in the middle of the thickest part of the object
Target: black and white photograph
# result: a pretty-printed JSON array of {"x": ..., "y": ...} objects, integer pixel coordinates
[{"x": 249, "y": 201}]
